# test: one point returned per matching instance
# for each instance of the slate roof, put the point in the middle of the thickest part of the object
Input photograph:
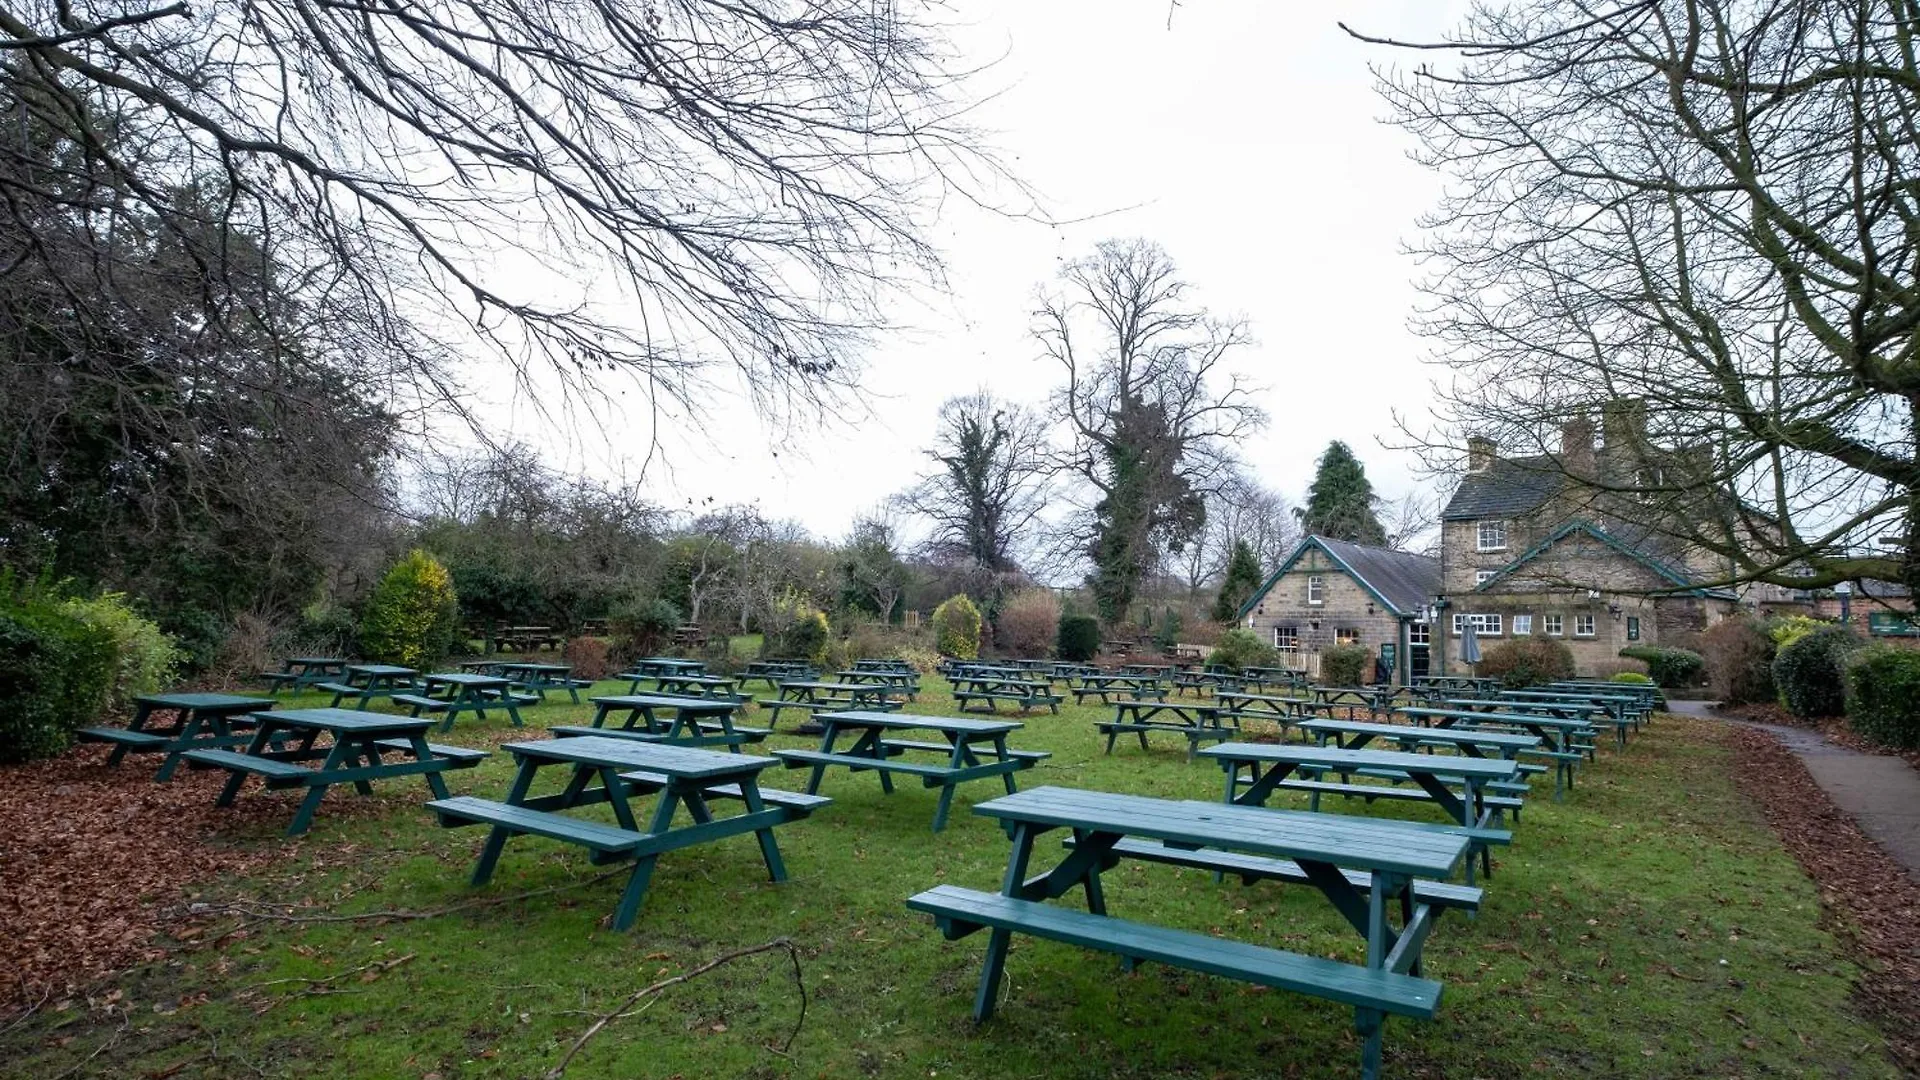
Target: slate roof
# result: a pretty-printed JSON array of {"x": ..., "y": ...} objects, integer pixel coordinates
[
  {"x": 1638, "y": 544},
  {"x": 1401, "y": 580},
  {"x": 1510, "y": 487}
]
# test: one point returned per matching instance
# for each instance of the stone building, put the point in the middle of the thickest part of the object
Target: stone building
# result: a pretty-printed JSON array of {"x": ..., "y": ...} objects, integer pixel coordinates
[
  {"x": 1525, "y": 550},
  {"x": 1331, "y": 592}
]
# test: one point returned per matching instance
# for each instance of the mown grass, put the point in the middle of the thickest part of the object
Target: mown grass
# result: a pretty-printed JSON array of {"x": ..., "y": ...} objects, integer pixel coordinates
[{"x": 1650, "y": 926}]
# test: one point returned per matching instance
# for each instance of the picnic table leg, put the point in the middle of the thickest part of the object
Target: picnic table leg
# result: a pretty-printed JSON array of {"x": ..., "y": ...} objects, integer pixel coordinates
[
  {"x": 191, "y": 721},
  {"x": 303, "y": 817},
  {"x": 1000, "y": 751},
  {"x": 142, "y": 712},
  {"x": 232, "y": 787},
  {"x": 435, "y": 782},
  {"x": 642, "y": 876},
  {"x": 999, "y": 938},
  {"x": 497, "y": 837},
  {"x": 769, "y": 848}
]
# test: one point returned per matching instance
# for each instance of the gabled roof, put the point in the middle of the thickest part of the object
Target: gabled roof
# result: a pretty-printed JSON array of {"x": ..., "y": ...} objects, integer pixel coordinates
[
  {"x": 1401, "y": 581},
  {"x": 1509, "y": 487},
  {"x": 1670, "y": 572}
]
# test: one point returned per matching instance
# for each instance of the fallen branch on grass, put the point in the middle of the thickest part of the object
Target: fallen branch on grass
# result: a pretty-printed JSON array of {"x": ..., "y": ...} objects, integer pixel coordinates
[{"x": 621, "y": 1010}]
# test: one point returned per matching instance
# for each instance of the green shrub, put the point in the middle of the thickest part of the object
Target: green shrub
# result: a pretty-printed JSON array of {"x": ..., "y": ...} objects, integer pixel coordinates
[
  {"x": 1787, "y": 629},
  {"x": 1527, "y": 661},
  {"x": 806, "y": 636},
  {"x": 1240, "y": 649},
  {"x": 924, "y": 661},
  {"x": 57, "y": 671},
  {"x": 1883, "y": 695},
  {"x": 1668, "y": 666},
  {"x": 1810, "y": 672},
  {"x": 641, "y": 627},
  {"x": 146, "y": 656},
  {"x": 1632, "y": 678},
  {"x": 1167, "y": 634},
  {"x": 1739, "y": 653},
  {"x": 1079, "y": 638},
  {"x": 412, "y": 615},
  {"x": 956, "y": 627},
  {"x": 1346, "y": 665}
]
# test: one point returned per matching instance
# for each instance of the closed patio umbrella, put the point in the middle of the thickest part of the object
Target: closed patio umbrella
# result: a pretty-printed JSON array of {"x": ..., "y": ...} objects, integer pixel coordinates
[{"x": 1469, "y": 645}]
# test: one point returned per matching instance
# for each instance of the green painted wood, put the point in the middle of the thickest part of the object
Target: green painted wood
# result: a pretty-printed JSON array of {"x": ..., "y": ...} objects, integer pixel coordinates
[
  {"x": 1252, "y": 868},
  {"x": 965, "y": 725},
  {"x": 468, "y": 810},
  {"x": 137, "y": 740},
  {"x": 646, "y": 783},
  {"x": 685, "y": 762},
  {"x": 1334, "y": 759},
  {"x": 805, "y": 759},
  {"x": 1348, "y": 984},
  {"x": 229, "y": 703},
  {"x": 461, "y": 756},
  {"x": 1506, "y": 742},
  {"x": 237, "y": 762}
]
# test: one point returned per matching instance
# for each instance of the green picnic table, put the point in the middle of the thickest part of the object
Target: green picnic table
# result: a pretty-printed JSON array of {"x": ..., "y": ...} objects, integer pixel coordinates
[
  {"x": 695, "y": 721},
  {"x": 773, "y": 672},
  {"x": 665, "y": 665},
  {"x": 974, "y": 750},
  {"x": 1622, "y": 710},
  {"x": 612, "y": 771},
  {"x": 364, "y": 746},
  {"x": 298, "y": 672},
  {"x": 1365, "y": 867},
  {"x": 1105, "y": 686},
  {"x": 813, "y": 696},
  {"x": 1259, "y": 679},
  {"x": 713, "y": 686},
  {"x": 451, "y": 693},
  {"x": 907, "y": 683},
  {"x": 1558, "y": 734},
  {"x": 1371, "y": 698},
  {"x": 364, "y": 682},
  {"x": 1195, "y": 723},
  {"x": 1010, "y": 685},
  {"x": 172, "y": 724},
  {"x": 537, "y": 679},
  {"x": 1246, "y": 705}
]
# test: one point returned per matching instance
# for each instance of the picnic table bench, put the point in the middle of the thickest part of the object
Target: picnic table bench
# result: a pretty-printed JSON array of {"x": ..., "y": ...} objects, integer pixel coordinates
[
  {"x": 696, "y": 721},
  {"x": 299, "y": 672},
  {"x": 906, "y": 682},
  {"x": 361, "y": 746},
  {"x": 714, "y": 686},
  {"x": 812, "y": 696},
  {"x": 653, "y": 666},
  {"x": 1205, "y": 679},
  {"x": 1196, "y": 723},
  {"x": 1374, "y": 699},
  {"x": 172, "y": 724},
  {"x": 537, "y": 679},
  {"x": 525, "y": 639},
  {"x": 1244, "y": 705},
  {"x": 365, "y": 682},
  {"x": 451, "y": 693},
  {"x": 1555, "y": 734},
  {"x": 1261, "y": 679},
  {"x": 974, "y": 750},
  {"x": 1364, "y": 867},
  {"x": 1136, "y": 687},
  {"x": 1010, "y": 686},
  {"x": 1621, "y": 710},
  {"x": 1476, "y": 805},
  {"x": 612, "y": 771},
  {"x": 885, "y": 663},
  {"x": 773, "y": 672},
  {"x": 1589, "y": 716}
]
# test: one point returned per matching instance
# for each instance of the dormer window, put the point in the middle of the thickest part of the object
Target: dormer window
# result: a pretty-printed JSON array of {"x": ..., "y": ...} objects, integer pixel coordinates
[{"x": 1492, "y": 536}]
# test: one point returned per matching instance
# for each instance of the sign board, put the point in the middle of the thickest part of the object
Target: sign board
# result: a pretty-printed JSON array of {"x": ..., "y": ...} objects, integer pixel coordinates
[{"x": 1891, "y": 624}]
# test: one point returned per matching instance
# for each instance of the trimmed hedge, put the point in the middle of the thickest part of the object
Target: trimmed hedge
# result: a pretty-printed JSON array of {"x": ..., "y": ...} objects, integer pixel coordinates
[
  {"x": 1883, "y": 695},
  {"x": 1079, "y": 638},
  {"x": 1346, "y": 665},
  {"x": 1528, "y": 661},
  {"x": 1810, "y": 672},
  {"x": 1669, "y": 667},
  {"x": 1239, "y": 649},
  {"x": 1632, "y": 678},
  {"x": 956, "y": 627}
]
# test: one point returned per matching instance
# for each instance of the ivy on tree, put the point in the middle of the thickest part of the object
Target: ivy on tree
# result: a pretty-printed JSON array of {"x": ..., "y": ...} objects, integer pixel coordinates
[{"x": 1340, "y": 502}]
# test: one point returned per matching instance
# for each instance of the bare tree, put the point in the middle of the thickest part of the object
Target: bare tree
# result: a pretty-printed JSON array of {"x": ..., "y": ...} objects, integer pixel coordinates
[
  {"x": 578, "y": 188},
  {"x": 1695, "y": 222},
  {"x": 988, "y": 485},
  {"x": 1238, "y": 509},
  {"x": 1150, "y": 433},
  {"x": 1412, "y": 523}
]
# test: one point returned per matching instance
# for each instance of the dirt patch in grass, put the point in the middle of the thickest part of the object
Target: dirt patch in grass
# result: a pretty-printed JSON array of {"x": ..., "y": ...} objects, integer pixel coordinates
[
  {"x": 1871, "y": 903},
  {"x": 95, "y": 856}
]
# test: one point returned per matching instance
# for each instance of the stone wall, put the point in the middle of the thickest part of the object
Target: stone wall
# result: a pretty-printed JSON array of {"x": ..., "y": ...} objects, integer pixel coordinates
[{"x": 1345, "y": 606}]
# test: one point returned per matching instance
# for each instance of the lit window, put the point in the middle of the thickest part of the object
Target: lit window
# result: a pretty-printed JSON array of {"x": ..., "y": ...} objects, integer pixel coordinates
[
  {"x": 1522, "y": 625},
  {"x": 1583, "y": 626},
  {"x": 1483, "y": 625},
  {"x": 1553, "y": 625},
  {"x": 1316, "y": 589},
  {"x": 1493, "y": 536},
  {"x": 1286, "y": 639},
  {"x": 1346, "y": 635},
  {"x": 1481, "y": 577},
  {"x": 1633, "y": 628}
]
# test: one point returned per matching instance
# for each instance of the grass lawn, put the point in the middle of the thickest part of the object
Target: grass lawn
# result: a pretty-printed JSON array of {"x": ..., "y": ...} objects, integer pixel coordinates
[{"x": 1649, "y": 926}]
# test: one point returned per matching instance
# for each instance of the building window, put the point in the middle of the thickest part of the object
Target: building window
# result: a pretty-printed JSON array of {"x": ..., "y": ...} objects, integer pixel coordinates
[
  {"x": 1493, "y": 536},
  {"x": 1553, "y": 625},
  {"x": 1286, "y": 639},
  {"x": 1481, "y": 577},
  {"x": 1583, "y": 626},
  {"x": 1522, "y": 625},
  {"x": 1633, "y": 628},
  {"x": 1346, "y": 635},
  {"x": 1419, "y": 634},
  {"x": 1483, "y": 625},
  {"x": 1316, "y": 589}
]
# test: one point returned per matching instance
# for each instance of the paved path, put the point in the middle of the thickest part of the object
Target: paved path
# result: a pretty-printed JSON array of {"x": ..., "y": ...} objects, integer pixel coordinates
[{"x": 1880, "y": 791}]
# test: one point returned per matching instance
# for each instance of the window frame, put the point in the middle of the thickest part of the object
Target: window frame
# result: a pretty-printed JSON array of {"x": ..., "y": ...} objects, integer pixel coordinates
[
  {"x": 1346, "y": 635},
  {"x": 1633, "y": 628},
  {"x": 1481, "y": 577},
  {"x": 1292, "y": 646},
  {"x": 1485, "y": 623},
  {"x": 1584, "y": 618},
  {"x": 1553, "y": 625},
  {"x": 1316, "y": 590},
  {"x": 1480, "y": 531},
  {"x": 1522, "y": 625}
]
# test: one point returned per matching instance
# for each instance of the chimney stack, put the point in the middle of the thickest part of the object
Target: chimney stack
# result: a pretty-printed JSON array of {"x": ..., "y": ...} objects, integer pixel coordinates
[
  {"x": 1624, "y": 423},
  {"x": 1576, "y": 446},
  {"x": 1480, "y": 451}
]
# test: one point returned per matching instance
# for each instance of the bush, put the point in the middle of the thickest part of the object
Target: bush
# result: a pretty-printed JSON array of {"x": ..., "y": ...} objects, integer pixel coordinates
[
  {"x": 1607, "y": 669},
  {"x": 1528, "y": 661},
  {"x": 1167, "y": 634},
  {"x": 57, "y": 671},
  {"x": 641, "y": 627},
  {"x": 1810, "y": 672},
  {"x": 956, "y": 627},
  {"x": 1669, "y": 667},
  {"x": 412, "y": 615},
  {"x": 1631, "y": 678},
  {"x": 1739, "y": 653},
  {"x": 1346, "y": 665},
  {"x": 1787, "y": 629},
  {"x": 924, "y": 661},
  {"x": 1029, "y": 623},
  {"x": 146, "y": 657},
  {"x": 1079, "y": 639},
  {"x": 807, "y": 636},
  {"x": 1240, "y": 649},
  {"x": 590, "y": 657},
  {"x": 1883, "y": 695}
]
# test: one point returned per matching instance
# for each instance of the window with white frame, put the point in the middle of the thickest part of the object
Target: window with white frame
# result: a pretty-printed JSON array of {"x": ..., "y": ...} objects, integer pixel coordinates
[
  {"x": 1583, "y": 626},
  {"x": 1483, "y": 625},
  {"x": 1419, "y": 634},
  {"x": 1286, "y": 639},
  {"x": 1522, "y": 625},
  {"x": 1316, "y": 590},
  {"x": 1492, "y": 536},
  {"x": 1346, "y": 635},
  {"x": 1481, "y": 577},
  {"x": 1552, "y": 625}
]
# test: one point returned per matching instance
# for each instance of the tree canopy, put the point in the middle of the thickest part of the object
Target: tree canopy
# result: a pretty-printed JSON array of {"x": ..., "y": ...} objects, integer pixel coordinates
[{"x": 1340, "y": 502}]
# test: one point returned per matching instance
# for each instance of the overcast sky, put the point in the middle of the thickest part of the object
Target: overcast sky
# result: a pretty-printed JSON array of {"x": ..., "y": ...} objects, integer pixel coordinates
[{"x": 1245, "y": 138}]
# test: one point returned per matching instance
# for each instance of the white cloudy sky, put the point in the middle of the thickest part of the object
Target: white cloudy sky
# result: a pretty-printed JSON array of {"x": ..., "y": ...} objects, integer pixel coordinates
[{"x": 1245, "y": 138}]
